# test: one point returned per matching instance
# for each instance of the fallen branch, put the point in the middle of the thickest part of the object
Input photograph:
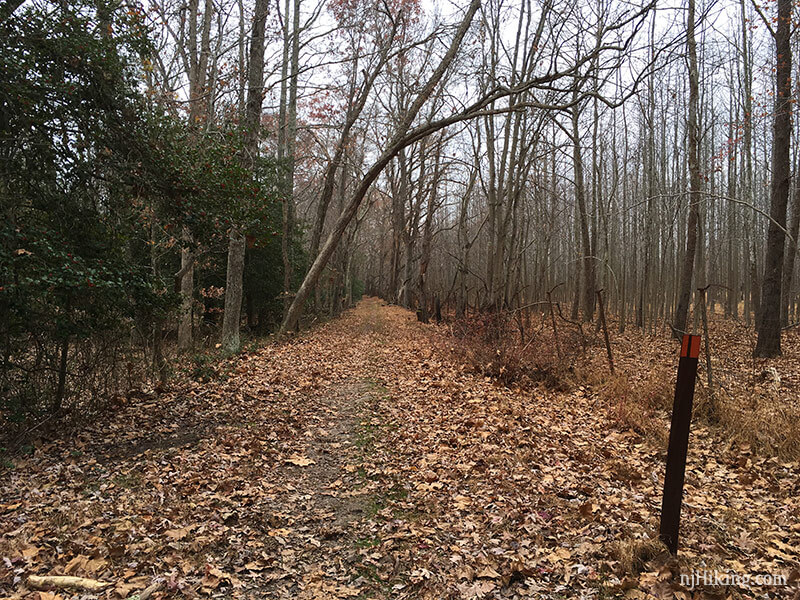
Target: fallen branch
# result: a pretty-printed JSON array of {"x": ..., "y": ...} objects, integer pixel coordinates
[
  {"x": 148, "y": 591},
  {"x": 576, "y": 323},
  {"x": 64, "y": 582}
]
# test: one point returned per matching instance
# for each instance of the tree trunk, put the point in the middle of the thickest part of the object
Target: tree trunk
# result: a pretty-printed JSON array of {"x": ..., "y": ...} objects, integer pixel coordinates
[
  {"x": 61, "y": 388},
  {"x": 695, "y": 182},
  {"x": 187, "y": 289},
  {"x": 233, "y": 291},
  {"x": 427, "y": 238},
  {"x": 291, "y": 140},
  {"x": 588, "y": 287},
  {"x": 252, "y": 120},
  {"x": 788, "y": 271},
  {"x": 732, "y": 299},
  {"x": 768, "y": 321},
  {"x": 198, "y": 67},
  {"x": 748, "y": 283}
]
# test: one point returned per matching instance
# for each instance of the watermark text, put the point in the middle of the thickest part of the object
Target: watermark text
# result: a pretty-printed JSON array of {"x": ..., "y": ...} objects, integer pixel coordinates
[{"x": 731, "y": 579}]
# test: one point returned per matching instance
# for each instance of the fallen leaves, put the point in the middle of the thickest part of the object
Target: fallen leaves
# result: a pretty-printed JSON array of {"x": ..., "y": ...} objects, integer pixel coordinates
[
  {"x": 214, "y": 577},
  {"x": 487, "y": 573},
  {"x": 84, "y": 564},
  {"x": 178, "y": 534},
  {"x": 300, "y": 461},
  {"x": 125, "y": 589},
  {"x": 357, "y": 460}
]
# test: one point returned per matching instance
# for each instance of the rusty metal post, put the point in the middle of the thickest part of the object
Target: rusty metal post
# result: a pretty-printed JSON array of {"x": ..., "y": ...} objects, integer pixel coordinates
[{"x": 679, "y": 442}]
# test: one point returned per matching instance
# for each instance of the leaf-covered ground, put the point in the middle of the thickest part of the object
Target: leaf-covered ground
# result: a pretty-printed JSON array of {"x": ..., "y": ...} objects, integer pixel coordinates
[
  {"x": 360, "y": 462},
  {"x": 756, "y": 400}
]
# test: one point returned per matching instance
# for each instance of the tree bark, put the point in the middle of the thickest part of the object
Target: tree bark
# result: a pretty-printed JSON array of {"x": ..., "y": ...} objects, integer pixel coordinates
[
  {"x": 233, "y": 291},
  {"x": 198, "y": 75},
  {"x": 695, "y": 181},
  {"x": 427, "y": 239},
  {"x": 61, "y": 388},
  {"x": 769, "y": 319},
  {"x": 791, "y": 255},
  {"x": 291, "y": 142},
  {"x": 748, "y": 264},
  {"x": 588, "y": 287},
  {"x": 187, "y": 289},
  {"x": 252, "y": 120}
]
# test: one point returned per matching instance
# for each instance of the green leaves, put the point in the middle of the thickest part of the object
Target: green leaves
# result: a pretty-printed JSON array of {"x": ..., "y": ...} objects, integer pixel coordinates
[
  {"x": 100, "y": 188},
  {"x": 73, "y": 258},
  {"x": 81, "y": 293}
]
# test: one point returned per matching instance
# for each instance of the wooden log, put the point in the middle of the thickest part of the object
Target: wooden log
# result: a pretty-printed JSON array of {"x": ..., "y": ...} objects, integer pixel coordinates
[{"x": 65, "y": 582}]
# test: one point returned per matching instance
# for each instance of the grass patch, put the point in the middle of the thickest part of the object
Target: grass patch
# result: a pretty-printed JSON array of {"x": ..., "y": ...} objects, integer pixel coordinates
[
  {"x": 637, "y": 408},
  {"x": 365, "y": 436},
  {"x": 128, "y": 481},
  {"x": 397, "y": 493},
  {"x": 633, "y": 555},
  {"x": 367, "y": 542},
  {"x": 377, "y": 388}
]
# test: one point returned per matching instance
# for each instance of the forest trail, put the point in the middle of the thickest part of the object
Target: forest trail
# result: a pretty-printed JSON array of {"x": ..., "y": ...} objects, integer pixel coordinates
[{"x": 360, "y": 461}]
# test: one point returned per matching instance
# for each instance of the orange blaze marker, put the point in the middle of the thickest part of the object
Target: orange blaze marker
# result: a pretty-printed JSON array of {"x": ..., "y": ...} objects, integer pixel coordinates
[
  {"x": 690, "y": 346},
  {"x": 679, "y": 441}
]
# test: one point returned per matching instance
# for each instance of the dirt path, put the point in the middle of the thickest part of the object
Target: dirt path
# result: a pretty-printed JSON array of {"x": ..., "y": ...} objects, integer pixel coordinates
[
  {"x": 328, "y": 501},
  {"x": 358, "y": 461},
  {"x": 252, "y": 485}
]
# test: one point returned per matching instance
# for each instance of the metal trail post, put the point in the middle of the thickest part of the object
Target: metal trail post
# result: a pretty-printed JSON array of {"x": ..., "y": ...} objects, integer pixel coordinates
[{"x": 679, "y": 442}]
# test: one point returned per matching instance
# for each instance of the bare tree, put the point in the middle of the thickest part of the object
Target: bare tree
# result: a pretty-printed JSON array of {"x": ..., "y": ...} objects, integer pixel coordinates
[
  {"x": 402, "y": 137},
  {"x": 251, "y": 122},
  {"x": 768, "y": 322},
  {"x": 695, "y": 180}
]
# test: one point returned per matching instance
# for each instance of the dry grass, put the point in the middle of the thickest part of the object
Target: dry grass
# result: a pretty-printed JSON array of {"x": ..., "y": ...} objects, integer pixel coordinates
[
  {"x": 636, "y": 409},
  {"x": 773, "y": 430},
  {"x": 754, "y": 403},
  {"x": 634, "y": 555}
]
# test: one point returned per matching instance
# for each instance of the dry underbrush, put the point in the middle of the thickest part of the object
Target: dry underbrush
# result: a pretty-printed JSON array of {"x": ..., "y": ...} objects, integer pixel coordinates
[
  {"x": 635, "y": 555},
  {"x": 497, "y": 345},
  {"x": 754, "y": 403},
  {"x": 637, "y": 407}
]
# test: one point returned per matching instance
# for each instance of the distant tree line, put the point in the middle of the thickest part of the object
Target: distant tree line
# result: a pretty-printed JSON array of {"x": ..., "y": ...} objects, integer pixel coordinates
[{"x": 177, "y": 173}]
